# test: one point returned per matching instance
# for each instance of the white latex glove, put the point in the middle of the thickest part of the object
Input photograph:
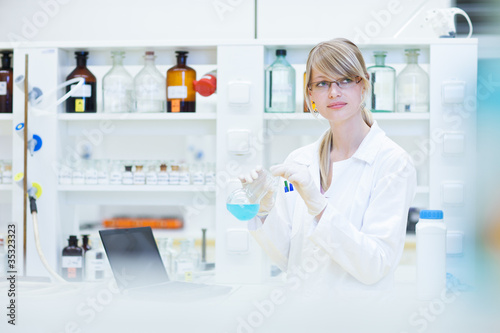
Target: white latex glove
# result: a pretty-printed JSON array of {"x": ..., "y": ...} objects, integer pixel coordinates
[
  {"x": 268, "y": 200},
  {"x": 299, "y": 176}
]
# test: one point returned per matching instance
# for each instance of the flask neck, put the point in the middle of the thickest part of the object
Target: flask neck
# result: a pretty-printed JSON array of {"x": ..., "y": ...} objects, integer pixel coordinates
[
  {"x": 181, "y": 60},
  {"x": 81, "y": 61},
  {"x": 6, "y": 61},
  {"x": 412, "y": 59},
  {"x": 380, "y": 61}
]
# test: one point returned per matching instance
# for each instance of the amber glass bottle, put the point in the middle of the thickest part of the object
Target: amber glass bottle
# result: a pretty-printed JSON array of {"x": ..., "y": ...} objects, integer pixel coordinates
[
  {"x": 6, "y": 74},
  {"x": 72, "y": 261},
  {"x": 181, "y": 96},
  {"x": 84, "y": 100}
]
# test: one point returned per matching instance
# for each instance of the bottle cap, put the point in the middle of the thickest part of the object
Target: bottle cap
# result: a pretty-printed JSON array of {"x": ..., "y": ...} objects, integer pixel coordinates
[
  {"x": 281, "y": 52},
  {"x": 151, "y": 53},
  {"x": 206, "y": 86},
  {"x": 81, "y": 53},
  {"x": 73, "y": 238},
  {"x": 431, "y": 214},
  {"x": 181, "y": 53}
]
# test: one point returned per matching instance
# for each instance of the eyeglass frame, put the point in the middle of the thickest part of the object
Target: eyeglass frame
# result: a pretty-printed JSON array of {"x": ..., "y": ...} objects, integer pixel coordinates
[{"x": 309, "y": 86}]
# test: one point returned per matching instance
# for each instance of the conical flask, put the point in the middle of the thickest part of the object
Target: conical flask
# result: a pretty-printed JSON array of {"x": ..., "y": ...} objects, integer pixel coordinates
[{"x": 244, "y": 203}]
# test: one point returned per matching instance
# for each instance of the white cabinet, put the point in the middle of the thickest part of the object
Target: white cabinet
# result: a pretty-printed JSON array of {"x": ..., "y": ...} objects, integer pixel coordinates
[{"x": 441, "y": 142}]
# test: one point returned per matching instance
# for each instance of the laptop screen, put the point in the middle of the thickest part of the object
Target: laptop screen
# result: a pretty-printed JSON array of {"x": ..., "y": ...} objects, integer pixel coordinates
[{"x": 133, "y": 257}]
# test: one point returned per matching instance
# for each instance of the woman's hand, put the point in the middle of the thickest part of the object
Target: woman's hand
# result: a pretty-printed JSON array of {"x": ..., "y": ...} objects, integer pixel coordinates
[
  {"x": 268, "y": 200},
  {"x": 299, "y": 176}
]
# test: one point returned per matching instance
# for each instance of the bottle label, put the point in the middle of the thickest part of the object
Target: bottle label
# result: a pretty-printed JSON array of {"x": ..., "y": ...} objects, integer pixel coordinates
[
  {"x": 163, "y": 178},
  {"x": 3, "y": 88},
  {"x": 79, "y": 105},
  {"x": 184, "y": 178},
  {"x": 65, "y": 177},
  {"x": 139, "y": 178},
  {"x": 96, "y": 264},
  {"x": 78, "y": 178},
  {"x": 84, "y": 91},
  {"x": 91, "y": 177},
  {"x": 198, "y": 178},
  {"x": 151, "y": 178},
  {"x": 184, "y": 266},
  {"x": 102, "y": 178},
  {"x": 115, "y": 178},
  {"x": 177, "y": 92},
  {"x": 210, "y": 178},
  {"x": 127, "y": 178},
  {"x": 72, "y": 262},
  {"x": 7, "y": 177},
  {"x": 173, "y": 178}
]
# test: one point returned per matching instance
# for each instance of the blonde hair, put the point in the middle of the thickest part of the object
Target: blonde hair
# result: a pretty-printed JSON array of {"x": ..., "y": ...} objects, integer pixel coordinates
[{"x": 337, "y": 58}]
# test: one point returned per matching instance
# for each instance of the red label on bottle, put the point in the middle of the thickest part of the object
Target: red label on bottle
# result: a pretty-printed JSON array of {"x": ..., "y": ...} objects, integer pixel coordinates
[{"x": 71, "y": 272}]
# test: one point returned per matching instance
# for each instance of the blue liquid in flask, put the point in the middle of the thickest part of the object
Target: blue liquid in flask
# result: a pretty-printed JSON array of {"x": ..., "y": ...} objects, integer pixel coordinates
[{"x": 243, "y": 212}]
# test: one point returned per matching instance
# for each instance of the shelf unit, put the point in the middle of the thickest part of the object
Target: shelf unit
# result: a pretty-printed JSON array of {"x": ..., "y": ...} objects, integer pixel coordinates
[{"x": 161, "y": 136}]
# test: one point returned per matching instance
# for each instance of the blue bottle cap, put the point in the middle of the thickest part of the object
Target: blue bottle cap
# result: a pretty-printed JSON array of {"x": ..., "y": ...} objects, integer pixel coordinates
[{"x": 431, "y": 214}]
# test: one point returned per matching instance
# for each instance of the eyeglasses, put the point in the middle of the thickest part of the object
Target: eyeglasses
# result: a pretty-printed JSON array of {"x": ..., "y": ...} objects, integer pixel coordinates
[{"x": 324, "y": 86}]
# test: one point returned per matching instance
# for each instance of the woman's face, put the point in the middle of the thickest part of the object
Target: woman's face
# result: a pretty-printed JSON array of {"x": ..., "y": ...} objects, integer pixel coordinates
[{"x": 336, "y": 103}]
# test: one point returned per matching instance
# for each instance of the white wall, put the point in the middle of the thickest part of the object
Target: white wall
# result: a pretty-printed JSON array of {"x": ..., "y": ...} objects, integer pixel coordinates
[
  {"x": 116, "y": 20},
  {"x": 356, "y": 20}
]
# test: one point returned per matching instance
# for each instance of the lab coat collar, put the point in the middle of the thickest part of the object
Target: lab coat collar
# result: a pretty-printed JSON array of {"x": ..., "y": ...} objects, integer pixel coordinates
[{"x": 367, "y": 150}]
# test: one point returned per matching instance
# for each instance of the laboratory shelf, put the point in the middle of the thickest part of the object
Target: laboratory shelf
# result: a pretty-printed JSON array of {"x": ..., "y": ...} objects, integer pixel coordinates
[
  {"x": 136, "y": 188},
  {"x": 150, "y": 124},
  {"x": 6, "y": 117},
  {"x": 137, "y": 195},
  {"x": 394, "y": 124},
  {"x": 5, "y": 187},
  {"x": 135, "y": 116},
  {"x": 376, "y": 116}
]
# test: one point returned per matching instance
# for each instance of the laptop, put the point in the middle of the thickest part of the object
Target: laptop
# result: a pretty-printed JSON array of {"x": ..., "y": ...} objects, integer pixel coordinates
[{"x": 137, "y": 266}]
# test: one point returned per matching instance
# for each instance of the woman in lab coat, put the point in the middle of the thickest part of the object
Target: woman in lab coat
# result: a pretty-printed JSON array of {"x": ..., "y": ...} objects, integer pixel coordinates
[{"x": 343, "y": 226}]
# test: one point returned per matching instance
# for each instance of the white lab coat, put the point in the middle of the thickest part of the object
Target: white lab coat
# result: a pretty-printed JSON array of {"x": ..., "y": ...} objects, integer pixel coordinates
[{"x": 359, "y": 240}]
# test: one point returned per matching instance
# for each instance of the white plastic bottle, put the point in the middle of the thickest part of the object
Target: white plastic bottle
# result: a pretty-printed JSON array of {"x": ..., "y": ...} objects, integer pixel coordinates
[{"x": 431, "y": 254}]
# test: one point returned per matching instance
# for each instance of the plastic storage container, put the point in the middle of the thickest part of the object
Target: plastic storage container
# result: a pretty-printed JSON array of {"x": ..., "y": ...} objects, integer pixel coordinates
[{"x": 431, "y": 254}]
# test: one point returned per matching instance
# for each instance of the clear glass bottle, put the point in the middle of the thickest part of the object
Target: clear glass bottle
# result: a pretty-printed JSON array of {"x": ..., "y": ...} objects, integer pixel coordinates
[
  {"x": 184, "y": 176},
  {"x": 150, "y": 87},
  {"x": 383, "y": 80},
  {"x": 94, "y": 261},
  {"x": 185, "y": 262},
  {"x": 90, "y": 173},
  {"x": 115, "y": 175},
  {"x": 280, "y": 85},
  {"x": 78, "y": 176},
  {"x": 413, "y": 86},
  {"x": 152, "y": 174},
  {"x": 102, "y": 172},
  {"x": 118, "y": 86},
  {"x": 198, "y": 174},
  {"x": 65, "y": 174},
  {"x": 210, "y": 174}
]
